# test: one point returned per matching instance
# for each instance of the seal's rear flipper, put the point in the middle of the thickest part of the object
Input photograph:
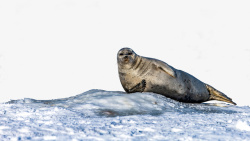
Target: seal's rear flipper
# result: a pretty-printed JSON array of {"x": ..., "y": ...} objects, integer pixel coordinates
[{"x": 217, "y": 95}]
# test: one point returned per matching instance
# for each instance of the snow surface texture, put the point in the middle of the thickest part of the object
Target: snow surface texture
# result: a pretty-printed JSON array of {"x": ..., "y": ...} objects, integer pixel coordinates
[{"x": 109, "y": 115}]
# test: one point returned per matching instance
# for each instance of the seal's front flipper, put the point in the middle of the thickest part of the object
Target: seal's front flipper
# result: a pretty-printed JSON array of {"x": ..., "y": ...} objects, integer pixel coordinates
[
  {"x": 217, "y": 95},
  {"x": 139, "y": 87},
  {"x": 165, "y": 67}
]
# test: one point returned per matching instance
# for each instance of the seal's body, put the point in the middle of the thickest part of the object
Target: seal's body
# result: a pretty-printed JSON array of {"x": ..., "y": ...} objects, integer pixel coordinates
[{"x": 142, "y": 74}]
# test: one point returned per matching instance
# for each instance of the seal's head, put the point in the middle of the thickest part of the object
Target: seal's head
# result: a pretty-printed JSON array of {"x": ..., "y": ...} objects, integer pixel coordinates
[{"x": 126, "y": 57}]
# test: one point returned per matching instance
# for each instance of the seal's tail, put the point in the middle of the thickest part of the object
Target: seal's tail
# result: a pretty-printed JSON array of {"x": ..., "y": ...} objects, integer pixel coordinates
[{"x": 217, "y": 95}]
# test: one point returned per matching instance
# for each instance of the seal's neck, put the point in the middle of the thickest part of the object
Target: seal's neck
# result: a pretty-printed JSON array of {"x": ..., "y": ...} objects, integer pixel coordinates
[{"x": 136, "y": 63}]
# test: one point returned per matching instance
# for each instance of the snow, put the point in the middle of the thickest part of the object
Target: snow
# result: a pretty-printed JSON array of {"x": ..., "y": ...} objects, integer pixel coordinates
[
  {"x": 114, "y": 115},
  {"x": 242, "y": 125}
]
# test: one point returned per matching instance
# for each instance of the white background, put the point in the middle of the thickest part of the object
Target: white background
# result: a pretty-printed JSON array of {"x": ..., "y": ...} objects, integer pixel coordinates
[{"x": 56, "y": 49}]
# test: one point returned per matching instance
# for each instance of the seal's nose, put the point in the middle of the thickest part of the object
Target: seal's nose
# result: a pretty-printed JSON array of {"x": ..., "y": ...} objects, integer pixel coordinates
[{"x": 126, "y": 57}]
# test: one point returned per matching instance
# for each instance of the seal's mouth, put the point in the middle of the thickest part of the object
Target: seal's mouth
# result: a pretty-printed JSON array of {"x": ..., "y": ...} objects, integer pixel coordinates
[{"x": 125, "y": 59}]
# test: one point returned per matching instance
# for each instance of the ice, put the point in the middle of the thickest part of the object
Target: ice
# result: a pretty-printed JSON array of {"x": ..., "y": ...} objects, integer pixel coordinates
[{"x": 114, "y": 115}]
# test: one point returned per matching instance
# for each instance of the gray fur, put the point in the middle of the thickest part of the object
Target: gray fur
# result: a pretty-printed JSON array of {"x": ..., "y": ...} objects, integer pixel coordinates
[{"x": 142, "y": 74}]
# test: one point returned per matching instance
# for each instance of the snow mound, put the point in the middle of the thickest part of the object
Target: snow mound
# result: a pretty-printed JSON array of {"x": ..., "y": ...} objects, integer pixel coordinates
[
  {"x": 110, "y": 115},
  {"x": 109, "y": 103}
]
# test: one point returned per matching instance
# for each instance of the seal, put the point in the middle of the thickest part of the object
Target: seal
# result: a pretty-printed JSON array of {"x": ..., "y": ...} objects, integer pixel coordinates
[{"x": 143, "y": 74}]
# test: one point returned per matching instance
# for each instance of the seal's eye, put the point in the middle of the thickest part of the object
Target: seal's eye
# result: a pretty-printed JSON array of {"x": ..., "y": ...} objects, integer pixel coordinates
[
  {"x": 121, "y": 54},
  {"x": 129, "y": 53}
]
